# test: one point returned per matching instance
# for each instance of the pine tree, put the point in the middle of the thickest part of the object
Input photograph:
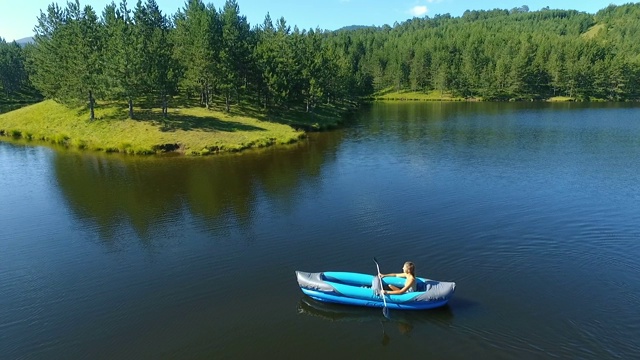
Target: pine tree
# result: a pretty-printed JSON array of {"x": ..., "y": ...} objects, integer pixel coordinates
[
  {"x": 156, "y": 49},
  {"x": 45, "y": 66},
  {"x": 264, "y": 60},
  {"x": 123, "y": 53},
  {"x": 235, "y": 51},
  {"x": 66, "y": 61},
  {"x": 197, "y": 40},
  {"x": 85, "y": 60}
]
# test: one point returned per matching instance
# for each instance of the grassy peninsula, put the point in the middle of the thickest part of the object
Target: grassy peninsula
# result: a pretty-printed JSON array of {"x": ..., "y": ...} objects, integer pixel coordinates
[{"x": 187, "y": 130}]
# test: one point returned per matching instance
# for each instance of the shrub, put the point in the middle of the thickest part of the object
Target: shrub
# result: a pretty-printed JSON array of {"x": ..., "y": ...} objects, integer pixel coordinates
[
  {"x": 80, "y": 144},
  {"x": 142, "y": 151},
  {"x": 125, "y": 147},
  {"x": 60, "y": 139}
]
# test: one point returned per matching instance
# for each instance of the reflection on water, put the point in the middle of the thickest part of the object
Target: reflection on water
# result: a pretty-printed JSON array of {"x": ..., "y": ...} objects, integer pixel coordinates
[
  {"x": 496, "y": 124},
  {"x": 144, "y": 192},
  {"x": 337, "y": 312},
  {"x": 399, "y": 322}
]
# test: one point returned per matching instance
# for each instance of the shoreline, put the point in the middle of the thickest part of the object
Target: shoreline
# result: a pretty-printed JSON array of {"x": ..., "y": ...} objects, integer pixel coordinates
[
  {"x": 188, "y": 131},
  {"x": 443, "y": 96}
]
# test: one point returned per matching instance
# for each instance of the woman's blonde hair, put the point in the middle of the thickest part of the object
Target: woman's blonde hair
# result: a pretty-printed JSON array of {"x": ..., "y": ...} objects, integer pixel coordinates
[{"x": 411, "y": 267}]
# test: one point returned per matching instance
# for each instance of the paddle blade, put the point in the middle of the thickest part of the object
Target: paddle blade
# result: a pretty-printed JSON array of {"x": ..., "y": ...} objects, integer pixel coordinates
[
  {"x": 377, "y": 266},
  {"x": 385, "y": 312}
]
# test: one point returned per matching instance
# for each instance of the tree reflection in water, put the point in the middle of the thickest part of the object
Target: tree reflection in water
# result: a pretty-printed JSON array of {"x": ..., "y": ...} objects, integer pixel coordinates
[{"x": 151, "y": 193}]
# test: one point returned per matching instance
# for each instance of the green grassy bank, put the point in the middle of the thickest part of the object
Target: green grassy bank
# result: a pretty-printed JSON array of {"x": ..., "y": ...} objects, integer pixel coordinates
[
  {"x": 407, "y": 95},
  {"x": 190, "y": 130},
  {"x": 435, "y": 95}
]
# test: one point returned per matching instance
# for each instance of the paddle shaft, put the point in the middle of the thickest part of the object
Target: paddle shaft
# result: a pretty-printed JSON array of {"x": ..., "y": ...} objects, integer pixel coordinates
[{"x": 381, "y": 284}]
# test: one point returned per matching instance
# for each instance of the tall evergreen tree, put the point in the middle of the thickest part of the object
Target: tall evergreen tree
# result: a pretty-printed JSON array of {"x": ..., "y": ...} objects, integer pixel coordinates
[
  {"x": 86, "y": 53},
  {"x": 265, "y": 60},
  {"x": 65, "y": 64},
  {"x": 155, "y": 51},
  {"x": 315, "y": 65},
  {"x": 123, "y": 52},
  {"x": 197, "y": 39},
  {"x": 45, "y": 64},
  {"x": 234, "y": 52}
]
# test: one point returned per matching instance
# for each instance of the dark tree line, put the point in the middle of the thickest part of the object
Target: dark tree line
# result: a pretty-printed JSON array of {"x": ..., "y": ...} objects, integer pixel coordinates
[
  {"x": 140, "y": 55},
  {"x": 13, "y": 74}
]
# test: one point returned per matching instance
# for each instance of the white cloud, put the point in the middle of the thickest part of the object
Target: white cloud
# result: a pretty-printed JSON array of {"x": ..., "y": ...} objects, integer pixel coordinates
[{"x": 418, "y": 10}]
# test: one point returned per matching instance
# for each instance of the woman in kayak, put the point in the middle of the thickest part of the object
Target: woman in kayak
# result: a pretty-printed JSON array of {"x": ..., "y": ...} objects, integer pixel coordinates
[{"x": 410, "y": 284}]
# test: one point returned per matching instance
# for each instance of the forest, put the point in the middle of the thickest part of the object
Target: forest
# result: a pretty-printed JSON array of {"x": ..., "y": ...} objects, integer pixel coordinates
[{"x": 213, "y": 57}]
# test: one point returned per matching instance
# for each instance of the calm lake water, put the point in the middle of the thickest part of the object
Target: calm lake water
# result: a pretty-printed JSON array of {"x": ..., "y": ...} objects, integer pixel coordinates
[{"x": 532, "y": 209}]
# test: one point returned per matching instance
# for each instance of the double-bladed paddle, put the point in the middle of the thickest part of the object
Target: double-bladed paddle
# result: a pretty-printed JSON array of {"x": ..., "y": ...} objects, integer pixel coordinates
[{"x": 385, "y": 310}]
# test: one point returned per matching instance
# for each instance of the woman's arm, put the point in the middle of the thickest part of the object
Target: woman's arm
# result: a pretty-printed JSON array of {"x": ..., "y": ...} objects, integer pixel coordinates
[
  {"x": 400, "y": 275},
  {"x": 406, "y": 287}
]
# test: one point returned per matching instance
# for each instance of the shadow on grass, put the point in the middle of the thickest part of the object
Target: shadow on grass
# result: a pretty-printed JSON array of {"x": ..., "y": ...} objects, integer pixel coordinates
[
  {"x": 7, "y": 105},
  {"x": 19, "y": 99},
  {"x": 208, "y": 123},
  {"x": 183, "y": 122},
  {"x": 384, "y": 92},
  {"x": 5, "y": 108},
  {"x": 321, "y": 117}
]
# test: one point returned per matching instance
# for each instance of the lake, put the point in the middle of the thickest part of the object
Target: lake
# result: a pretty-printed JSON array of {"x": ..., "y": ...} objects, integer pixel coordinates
[{"x": 533, "y": 209}]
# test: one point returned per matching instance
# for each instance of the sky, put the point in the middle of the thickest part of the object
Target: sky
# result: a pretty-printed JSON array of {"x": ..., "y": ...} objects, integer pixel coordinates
[{"x": 18, "y": 18}]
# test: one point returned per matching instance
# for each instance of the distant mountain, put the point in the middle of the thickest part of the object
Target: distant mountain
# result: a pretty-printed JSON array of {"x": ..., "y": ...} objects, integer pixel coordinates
[
  {"x": 355, "y": 27},
  {"x": 25, "y": 41}
]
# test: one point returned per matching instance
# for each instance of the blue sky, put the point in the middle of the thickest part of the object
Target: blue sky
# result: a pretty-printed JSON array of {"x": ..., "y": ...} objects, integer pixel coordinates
[{"x": 17, "y": 19}]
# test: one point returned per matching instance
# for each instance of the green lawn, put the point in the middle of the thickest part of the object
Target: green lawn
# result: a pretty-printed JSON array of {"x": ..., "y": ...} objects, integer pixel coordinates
[
  {"x": 406, "y": 95},
  {"x": 192, "y": 131},
  {"x": 593, "y": 31},
  {"x": 435, "y": 95},
  {"x": 560, "y": 99}
]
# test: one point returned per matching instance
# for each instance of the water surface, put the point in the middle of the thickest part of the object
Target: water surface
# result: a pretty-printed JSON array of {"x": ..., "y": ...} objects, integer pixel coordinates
[{"x": 533, "y": 209}]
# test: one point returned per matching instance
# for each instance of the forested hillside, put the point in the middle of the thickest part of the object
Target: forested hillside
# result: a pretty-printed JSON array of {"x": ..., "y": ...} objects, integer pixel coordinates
[
  {"x": 14, "y": 78},
  {"x": 138, "y": 55},
  {"x": 502, "y": 54}
]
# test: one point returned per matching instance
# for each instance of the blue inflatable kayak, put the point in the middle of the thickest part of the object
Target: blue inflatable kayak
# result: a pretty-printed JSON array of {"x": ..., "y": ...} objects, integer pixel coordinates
[{"x": 360, "y": 289}]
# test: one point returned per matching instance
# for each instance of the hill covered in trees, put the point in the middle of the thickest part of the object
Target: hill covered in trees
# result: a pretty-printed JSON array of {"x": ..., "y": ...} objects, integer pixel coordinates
[
  {"x": 215, "y": 57},
  {"x": 514, "y": 54}
]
